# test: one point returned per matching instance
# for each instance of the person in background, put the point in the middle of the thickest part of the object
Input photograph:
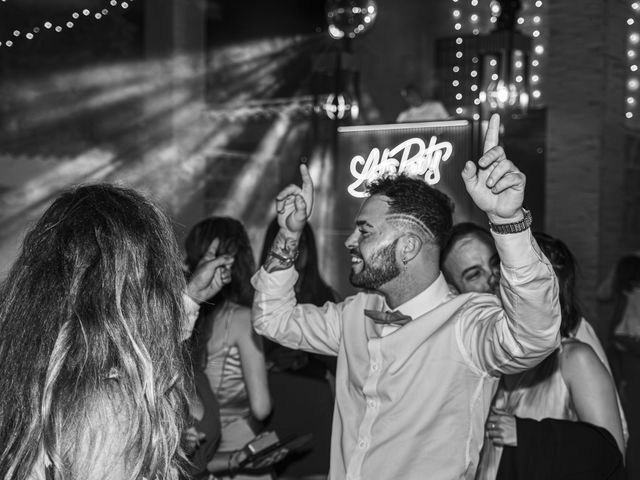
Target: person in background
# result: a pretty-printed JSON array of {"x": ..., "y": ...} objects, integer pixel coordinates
[
  {"x": 470, "y": 263},
  {"x": 92, "y": 312},
  {"x": 300, "y": 382},
  {"x": 624, "y": 338},
  {"x": 223, "y": 343},
  {"x": 469, "y": 260},
  {"x": 419, "y": 109},
  {"x": 571, "y": 384},
  {"x": 417, "y": 364}
]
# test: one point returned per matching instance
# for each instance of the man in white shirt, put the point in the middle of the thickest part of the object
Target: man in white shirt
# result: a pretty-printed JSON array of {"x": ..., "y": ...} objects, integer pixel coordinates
[{"x": 413, "y": 387}]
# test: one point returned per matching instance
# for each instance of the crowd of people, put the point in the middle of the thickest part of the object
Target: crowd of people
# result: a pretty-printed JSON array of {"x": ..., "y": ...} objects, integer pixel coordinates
[{"x": 465, "y": 354}]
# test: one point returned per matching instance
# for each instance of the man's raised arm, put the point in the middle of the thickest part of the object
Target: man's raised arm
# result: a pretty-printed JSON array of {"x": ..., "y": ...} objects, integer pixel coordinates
[
  {"x": 276, "y": 314},
  {"x": 525, "y": 329}
]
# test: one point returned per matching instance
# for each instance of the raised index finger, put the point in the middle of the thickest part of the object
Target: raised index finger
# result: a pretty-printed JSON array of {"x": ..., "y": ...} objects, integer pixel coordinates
[
  {"x": 492, "y": 137},
  {"x": 211, "y": 252},
  {"x": 307, "y": 182},
  {"x": 307, "y": 187}
]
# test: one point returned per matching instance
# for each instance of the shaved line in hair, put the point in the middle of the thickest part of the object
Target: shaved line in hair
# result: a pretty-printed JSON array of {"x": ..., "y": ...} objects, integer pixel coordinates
[{"x": 404, "y": 218}]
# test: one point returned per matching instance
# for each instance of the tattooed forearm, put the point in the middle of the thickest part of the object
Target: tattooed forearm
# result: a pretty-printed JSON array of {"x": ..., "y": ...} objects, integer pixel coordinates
[{"x": 283, "y": 252}]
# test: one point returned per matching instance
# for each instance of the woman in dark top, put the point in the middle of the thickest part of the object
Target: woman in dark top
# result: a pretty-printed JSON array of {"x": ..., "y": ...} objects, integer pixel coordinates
[{"x": 301, "y": 383}]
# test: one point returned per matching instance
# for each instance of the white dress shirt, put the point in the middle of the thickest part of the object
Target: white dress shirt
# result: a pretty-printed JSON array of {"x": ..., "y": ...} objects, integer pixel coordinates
[{"x": 412, "y": 404}]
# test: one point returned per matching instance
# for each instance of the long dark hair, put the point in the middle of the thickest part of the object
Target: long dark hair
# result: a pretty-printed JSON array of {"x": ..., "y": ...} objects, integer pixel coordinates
[
  {"x": 90, "y": 318},
  {"x": 312, "y": 287},
  {"x": 626, "y": 277},
  {"x": 233, "y": 241},
  {"x": 565, "y": 268}
]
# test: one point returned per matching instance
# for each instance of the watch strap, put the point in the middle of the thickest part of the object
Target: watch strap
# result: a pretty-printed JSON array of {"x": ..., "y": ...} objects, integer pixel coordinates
[{"x": 515, "y": 227}]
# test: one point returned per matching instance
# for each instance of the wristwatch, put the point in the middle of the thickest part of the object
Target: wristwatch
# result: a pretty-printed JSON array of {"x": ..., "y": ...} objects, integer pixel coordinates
[{"x": 515, "y": 227}]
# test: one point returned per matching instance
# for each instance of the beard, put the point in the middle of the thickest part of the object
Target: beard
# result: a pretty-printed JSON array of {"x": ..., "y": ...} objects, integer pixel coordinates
[{"x": 380, "y": 269}]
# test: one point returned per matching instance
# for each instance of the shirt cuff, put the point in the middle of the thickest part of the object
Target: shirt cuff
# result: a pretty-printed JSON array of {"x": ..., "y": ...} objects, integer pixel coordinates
[
  {"x": 276, "y": 283},
  {"x": 518, "y": 249}
]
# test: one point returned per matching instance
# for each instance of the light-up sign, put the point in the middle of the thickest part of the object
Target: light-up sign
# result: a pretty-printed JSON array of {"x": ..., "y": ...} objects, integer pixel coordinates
[{"x": 425, "y": 161}]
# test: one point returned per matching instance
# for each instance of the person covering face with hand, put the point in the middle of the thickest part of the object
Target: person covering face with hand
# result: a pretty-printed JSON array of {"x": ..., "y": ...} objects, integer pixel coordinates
[{"x": 417, "y": 364}]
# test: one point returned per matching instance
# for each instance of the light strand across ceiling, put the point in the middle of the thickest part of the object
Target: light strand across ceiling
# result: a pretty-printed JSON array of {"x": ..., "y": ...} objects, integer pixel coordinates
[{"x": 17, "y": 34}]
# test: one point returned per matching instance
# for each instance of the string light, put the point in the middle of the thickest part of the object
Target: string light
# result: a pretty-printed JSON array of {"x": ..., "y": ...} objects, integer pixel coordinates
[
  {"x": 48, "y": 25},
  {"x": 468, "y": 18},
  {"x": 473, "y": 17},
  {"x": 633, "y": 79}
]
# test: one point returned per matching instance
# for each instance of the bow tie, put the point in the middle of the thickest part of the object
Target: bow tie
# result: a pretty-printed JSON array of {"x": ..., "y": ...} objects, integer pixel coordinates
[{"x": 386, "y": 318}]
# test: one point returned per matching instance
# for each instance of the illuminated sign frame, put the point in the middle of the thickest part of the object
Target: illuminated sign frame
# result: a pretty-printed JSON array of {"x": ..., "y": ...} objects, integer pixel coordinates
[{"x": 412, "y": 157}]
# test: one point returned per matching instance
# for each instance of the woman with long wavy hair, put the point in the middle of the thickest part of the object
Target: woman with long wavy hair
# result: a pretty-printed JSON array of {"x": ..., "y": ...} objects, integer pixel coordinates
[
  {"x": 224, "y": 344},
  {"x": 91, "y": 368}
]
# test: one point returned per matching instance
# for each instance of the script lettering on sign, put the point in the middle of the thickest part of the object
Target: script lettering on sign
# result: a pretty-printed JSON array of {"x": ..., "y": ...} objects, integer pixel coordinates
[{"x": 412, "y": 157}]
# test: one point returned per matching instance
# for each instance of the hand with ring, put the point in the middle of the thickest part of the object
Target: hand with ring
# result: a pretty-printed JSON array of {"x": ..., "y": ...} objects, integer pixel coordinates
[{"x": 501, "y": 428}]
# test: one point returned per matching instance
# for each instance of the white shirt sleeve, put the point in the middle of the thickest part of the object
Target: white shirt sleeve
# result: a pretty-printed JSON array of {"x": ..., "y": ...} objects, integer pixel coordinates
[
  {"x": 277, "y": 316},
  {"x": 520, "y": 333}
]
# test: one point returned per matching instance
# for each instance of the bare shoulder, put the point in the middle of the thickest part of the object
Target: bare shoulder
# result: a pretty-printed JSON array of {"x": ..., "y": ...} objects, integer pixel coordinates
[{"x": 577, "y": 356}]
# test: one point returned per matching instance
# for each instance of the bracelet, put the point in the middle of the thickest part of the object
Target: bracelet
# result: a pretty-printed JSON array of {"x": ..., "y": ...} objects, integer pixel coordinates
[
  {"x": 515, "y": 227},
  {"x": 286, "y": 261}
]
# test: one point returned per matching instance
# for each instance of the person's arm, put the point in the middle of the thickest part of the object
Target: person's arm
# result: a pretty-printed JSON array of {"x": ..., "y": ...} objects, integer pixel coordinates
[
  {"x": 209, "y": 277},
  {"x": 525, "y": 329},
  {"x": 276, "y": 314},
  {"x": 254, "y": 369},
  {"x": 592, "y": 389},
  {"x": 586, "y": 334}
]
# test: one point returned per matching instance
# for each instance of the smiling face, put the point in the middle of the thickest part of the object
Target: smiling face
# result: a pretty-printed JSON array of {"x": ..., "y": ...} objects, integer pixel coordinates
[
  {"x": 373, "y": 246},
  {"x": 473, "y": 265}
]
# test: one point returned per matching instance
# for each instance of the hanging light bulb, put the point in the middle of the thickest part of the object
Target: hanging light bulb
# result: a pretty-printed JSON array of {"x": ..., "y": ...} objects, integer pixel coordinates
[
  {"x": 339, "y": 106},
  {"x": 500, "y": 95},
  {"x": 350, "y": 17}
]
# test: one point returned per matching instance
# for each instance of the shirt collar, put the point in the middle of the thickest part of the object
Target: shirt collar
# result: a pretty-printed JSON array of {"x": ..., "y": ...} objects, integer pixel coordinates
[{"x": 427, "y": 300}]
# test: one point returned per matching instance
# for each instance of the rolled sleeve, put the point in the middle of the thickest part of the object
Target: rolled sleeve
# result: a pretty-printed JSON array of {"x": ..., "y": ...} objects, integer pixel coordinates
[
  {"x": 277, "y": 316},
  {"x": 520, "y": 333}
]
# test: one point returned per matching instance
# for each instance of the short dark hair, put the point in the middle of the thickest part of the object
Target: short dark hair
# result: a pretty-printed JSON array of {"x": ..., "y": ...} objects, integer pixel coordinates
[
  {"x": 415, "y": 198},
  {"x": 461, "y": 230}
]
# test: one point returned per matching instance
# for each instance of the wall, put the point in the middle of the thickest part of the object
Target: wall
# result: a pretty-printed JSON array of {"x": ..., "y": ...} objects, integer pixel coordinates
[{"x": 586, "y": 138}]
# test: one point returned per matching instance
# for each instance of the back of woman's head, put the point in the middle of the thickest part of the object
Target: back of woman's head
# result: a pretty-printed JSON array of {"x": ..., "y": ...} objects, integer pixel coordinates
[
  {"x": 90, "y": 318},
  {"x": 234, "y": 241},
  {"x": 565, "y": 268}
]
